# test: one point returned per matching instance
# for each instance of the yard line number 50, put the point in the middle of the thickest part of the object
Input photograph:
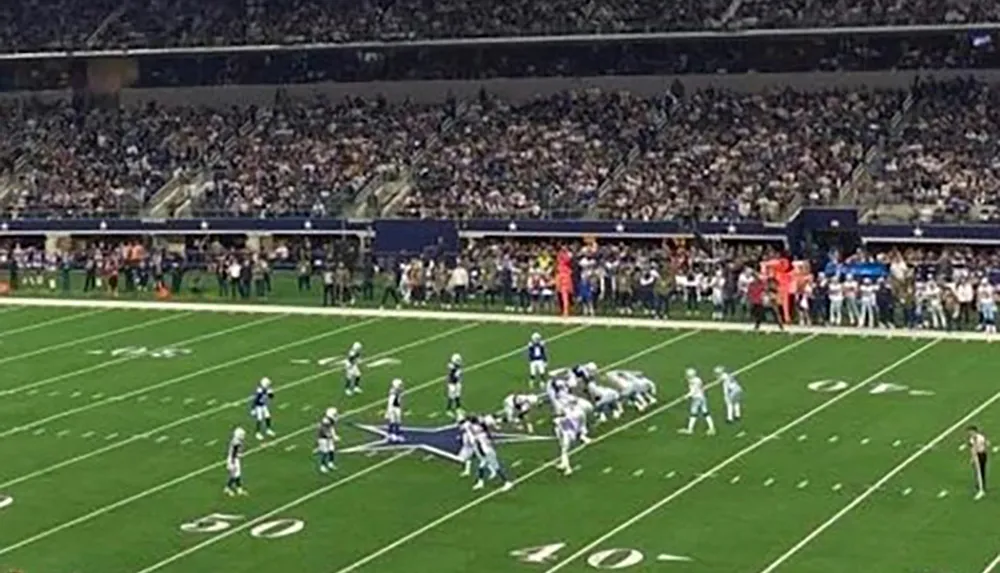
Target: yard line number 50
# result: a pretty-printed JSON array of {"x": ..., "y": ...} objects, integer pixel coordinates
[{"x": 217, "y": 522}]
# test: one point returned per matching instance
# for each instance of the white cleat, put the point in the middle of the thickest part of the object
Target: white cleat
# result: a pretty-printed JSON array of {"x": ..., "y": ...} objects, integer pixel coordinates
[
  {"x": 270, "y": 433},
  {"x": 685, "y": 431},
  {"x": 323, "y": 469},
  {"x": 507, "y": 486},
  {"x": 585, "y": 439},
  {"x": 710, "y": 432},
  {"x": 479, "y": 485},
  {"x": 228, "y": 492},
  {"x": 980, "y": 495},
  {"x": 260, "y": 436},
  {"x": 465, "y": 473},
  {"x": 241, "y": 491}
]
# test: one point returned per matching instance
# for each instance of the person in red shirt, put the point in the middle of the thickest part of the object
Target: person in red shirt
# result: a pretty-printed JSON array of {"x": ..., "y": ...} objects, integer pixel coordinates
[{"x": 761, "y": 301}]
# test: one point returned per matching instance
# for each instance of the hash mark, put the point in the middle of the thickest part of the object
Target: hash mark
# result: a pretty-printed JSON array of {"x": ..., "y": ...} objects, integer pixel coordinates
[
  {"x": 908, "y": 491},
  {"x": 897, "y": 443},
  {"x": 837, "y": 487},
  {"x": 76, "y": 394},
  {"x": 638, "y": 473},
  {"x": 962, "y": 447},
  {"x": 142, "y": 398},
  {"x": 427, "y": 458},
  {"x": 39, "y": 432},
  {"x": 607, "y": 470},
  {"x": 186, "y": 441},
  {"x": 97, "y": 396},
  {"x": 433, "y": 415},
  {"x": 864, "y": 441},
  {"x": 371, "y": 454},
  {"x": 768, "y": 482},
  {"x": 735, "y": 480},
  {"x": 165, "y": 399},
  {"x": 188, "y": 400},
  {"x": 742, "y": 434},
  {"x": 111, "y": 436},
  {"x": 671, "y": 474},
  {"x": 63, "y": 433},
  {"x": 283, "y": 405},
  {"x": 87, "y": 435},
  {"x": 211, "y": 442},
  {"x": 651, "y": 429},
  {"x": 162, "y": 439},
  {"x": 33, "y": 391},
  {"x": 306, "y": 408},
  {"x": 942, "y": 494},
  {"x": 802, "y": 484},
  {"x": 211, "y": 402},
  {"x": 834, "y": 439},
  {"x": 53, "y": 393},
  {"x": 290, "y": 447},
  {"x": 516, "y": 463},
  {"x": 802, "y": 437}
]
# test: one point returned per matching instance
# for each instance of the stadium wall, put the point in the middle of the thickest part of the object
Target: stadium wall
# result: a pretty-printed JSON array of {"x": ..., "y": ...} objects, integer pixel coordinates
[{"x": 602, "y": 322}]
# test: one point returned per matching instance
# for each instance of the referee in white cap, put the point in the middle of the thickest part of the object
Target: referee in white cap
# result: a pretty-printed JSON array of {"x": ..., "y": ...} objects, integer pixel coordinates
[{"x": 980, "y": 447}]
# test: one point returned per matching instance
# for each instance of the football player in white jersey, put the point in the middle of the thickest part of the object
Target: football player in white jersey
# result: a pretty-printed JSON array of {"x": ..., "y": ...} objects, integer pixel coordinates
[
  {"x": 556, "y": 389},
  {"x": 836, "y": 295},
  {"x": 234, "y": 485},
  {"x": 699, "y": 403},
  {"x": 260, "y": 407},
  {"x": 352, "y": 370},
  {"x": 326, "y": 439},
  {"x": 567, "y": 433},
  {"x": 489, "y": 463},
  {"x": 607, "y": 401},
  {"x": 732, "y": 393},
  {"x": 538, "y": 360},
  {"x": 578, "y": 409},
  {"x": 630, "y": 389},
  {"x": 850, "y": 288},
  {"x": 394, "y": 412},
  {"x": 869, "y": 305},
  {"x": 454, "y": 387},
  {"x": 516, "y": 408},
  {"x": 468, "y": 449}
]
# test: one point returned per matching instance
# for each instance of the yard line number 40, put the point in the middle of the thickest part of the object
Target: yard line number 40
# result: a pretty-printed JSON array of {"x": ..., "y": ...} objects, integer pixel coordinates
[{"x": 607, "y": 559}]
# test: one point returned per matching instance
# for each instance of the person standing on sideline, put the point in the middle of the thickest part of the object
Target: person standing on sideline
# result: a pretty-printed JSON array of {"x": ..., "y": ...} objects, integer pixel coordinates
[
  {"x": 979, "y": 446},
  {"x": 328, "y": 295}
]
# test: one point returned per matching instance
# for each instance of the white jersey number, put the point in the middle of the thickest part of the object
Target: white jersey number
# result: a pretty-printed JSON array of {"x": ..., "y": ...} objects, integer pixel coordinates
[{"x": 216, "y": 522}]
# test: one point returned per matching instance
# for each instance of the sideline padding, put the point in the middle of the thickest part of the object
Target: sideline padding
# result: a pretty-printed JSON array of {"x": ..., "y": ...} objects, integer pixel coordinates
[{"x": 512, "y": 318}]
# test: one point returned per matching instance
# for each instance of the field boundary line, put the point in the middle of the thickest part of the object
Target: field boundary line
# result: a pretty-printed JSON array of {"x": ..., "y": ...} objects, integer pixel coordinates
[
  {"x": 737, "y": 456},
  {"x": 288, "y": 505},
  {"x": 609, "y": 321},
  {"x": 109, "y": 363},
  {"x": 51, "y": 321},
  {"x": 551, "y": 463},
  {"x": 311, "y": 427},
  {"x": 993, "y": 565},
  {"x": 78, "y": 341},
  {"x": 896, "y": 470},
  {"x": 184, "y": 377},
  {"x": 224, "y": 406}
]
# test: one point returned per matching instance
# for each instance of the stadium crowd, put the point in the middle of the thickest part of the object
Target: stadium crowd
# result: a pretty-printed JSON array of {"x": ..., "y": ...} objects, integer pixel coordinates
[{"x": 61, "y": 24}]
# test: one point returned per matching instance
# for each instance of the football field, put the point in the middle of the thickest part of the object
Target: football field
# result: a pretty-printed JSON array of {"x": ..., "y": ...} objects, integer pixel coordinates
[{"x": 114, "y": 425}]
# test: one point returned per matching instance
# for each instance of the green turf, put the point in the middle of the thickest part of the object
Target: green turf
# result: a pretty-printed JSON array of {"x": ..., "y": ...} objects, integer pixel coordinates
[{"x": 113, "y": 426}]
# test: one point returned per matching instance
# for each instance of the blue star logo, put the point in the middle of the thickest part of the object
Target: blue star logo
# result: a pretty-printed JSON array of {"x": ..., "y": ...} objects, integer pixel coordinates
[{"x": 444, "y": 442}]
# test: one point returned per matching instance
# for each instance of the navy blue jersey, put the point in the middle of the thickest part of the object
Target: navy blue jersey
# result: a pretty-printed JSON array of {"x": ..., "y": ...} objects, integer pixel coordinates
[
  {"x": 454, "y": 374},
  {"x": 536, "y": 351},
  {"x": 261, "y": 397}
]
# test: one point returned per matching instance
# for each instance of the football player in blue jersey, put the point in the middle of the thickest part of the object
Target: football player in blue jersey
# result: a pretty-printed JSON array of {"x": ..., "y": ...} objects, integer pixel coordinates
[
  {"x": 234, "y": 485},
  {"x": 352, "y": 370},
  {"x": 538, "y": 360},
  {"x": 260, "y": 408},
  {"x": 454, "y": 387},
  {"x": 394, "y": 412},
  {"x": 326, "y": 440}
]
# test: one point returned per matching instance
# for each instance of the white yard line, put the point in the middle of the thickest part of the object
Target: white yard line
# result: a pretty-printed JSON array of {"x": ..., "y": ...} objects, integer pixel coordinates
[
  {"x": 45, "y": 323},
  {"x": 78, "y": 341},
  {"x": 261, "y": 518},
  {"x": 812, "y": 535},
  {"x": 182, "y": 378},
  {"x": 551, "y": 463},
  {"x": 735, "y": 457},
  {"x": 109, "y": 363},
  {"x": 225, "y": 406},
  {"x": 193, "y": 474},
  {"x": 993, "y": 565}
]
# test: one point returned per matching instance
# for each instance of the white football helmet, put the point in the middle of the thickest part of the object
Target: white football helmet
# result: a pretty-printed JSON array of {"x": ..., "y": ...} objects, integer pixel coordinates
[
  {"x": 456, "y": 359},
  {"x": 356, "y": 347},
  {"x": 397, "y": 383},
  {"x": 331, "y": 413},
  {"x": 265, "y": 382},
  {"x": 535, "y": 337},
  {"x": 239, "y": 434}
]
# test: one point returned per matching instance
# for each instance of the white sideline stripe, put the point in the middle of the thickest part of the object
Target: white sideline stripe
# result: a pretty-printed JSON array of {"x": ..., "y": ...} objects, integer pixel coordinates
[
  {"x": 608, "y": 321},
  {"x": 314, "y": 493},
  {"x": 993, "y": 565},
  {"x": 880, "y": 483},
  {"x": 165, "y": 485},
  {"x": 109, "y": 363},
  {"x": 261, "y": 518},
  {"x": 482, "y": 499},
  {"x": 57, "y": 320},
  {"x": 183, "y": 377},
  {"x": 217, "y": 409},
  {"x": 79, "y": 341},
  {"x": 737, "y": 456}
]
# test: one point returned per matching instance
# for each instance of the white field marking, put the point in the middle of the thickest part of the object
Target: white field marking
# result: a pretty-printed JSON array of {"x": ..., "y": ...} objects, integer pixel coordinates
[
  {"x": 741, "y": 434},
  {"x": 897, "y": 443},
  {"x": 638, "y": 473},
  {"x": 880, "y": 483},
  {"x": 142, "y": 398},
  {"x": 607, "y": 470},
  {"x": 211, "y": 402},
  {"x": 162, "y": 439},
  {"x": 50, "y": 322},
  {"x": 189, "y": 401},
  {"x": 97, "y": 396},
  {"x": 216, "y": 409},
  {"x": 837, "y": 487},
  {"x": 551, "y": 463},
  {"x": 907, "y": 491},
  {"x": 864, "y": 441},
  {"x": 671, "y": 474},
  {"x": 651, "y": 429},
  {"x": 736, "y": 479},
  {"x": 739, "y": 455},
  {"x": 111, "y": 436},
  {"x": 86, "y": 435},
  {"x": 768, "y": 482},
  {"x": 33, "y": 392},
  {"x": 108, "y": 363},
  {"x": 433, "y": 415},
  {"x": 178, "y": 379},
  {"x": 802, "y": 437},
  {"x": 307, "y": 407},
  {"x": 942, "y": 494},
  {"x": 264, "y": 517},
  {"x": 803, "y": 484},
  {"x": 76, "y": 394},
  {"x": 834, "y": 439},
  {"x": 63, "y": 433},
  {"x": 992, "y": 565},
  {"x": 186, "y": 441},
  {"x": 78, "y": 341},
  {"x": 516, "y": 463},
  {"x": 166, "y": 399},
  {"x": 290, "y": 447},
  {"x": 428, "y": 457},
  {"x": 38, "y": 432},
  {"x": 53, "y": 393},
  {"x": 190, "y": 475}
]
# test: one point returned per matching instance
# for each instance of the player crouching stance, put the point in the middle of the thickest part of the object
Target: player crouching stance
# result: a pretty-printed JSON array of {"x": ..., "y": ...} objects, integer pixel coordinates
[
  {"x": 699, "y": 404},
  {"x": 607, "y": 401},
  {"x": 394, "y": 412},
  {"x": 234, "y": 485},
  {"x": 326, "y": 440},
  {"x": 259, "y": 408},
  {"x": 516, "y": 408},
  {"x": 569, "y": 431},
  {"x": 489, "y": 464},
  {"x": 732, "y": 393}
]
